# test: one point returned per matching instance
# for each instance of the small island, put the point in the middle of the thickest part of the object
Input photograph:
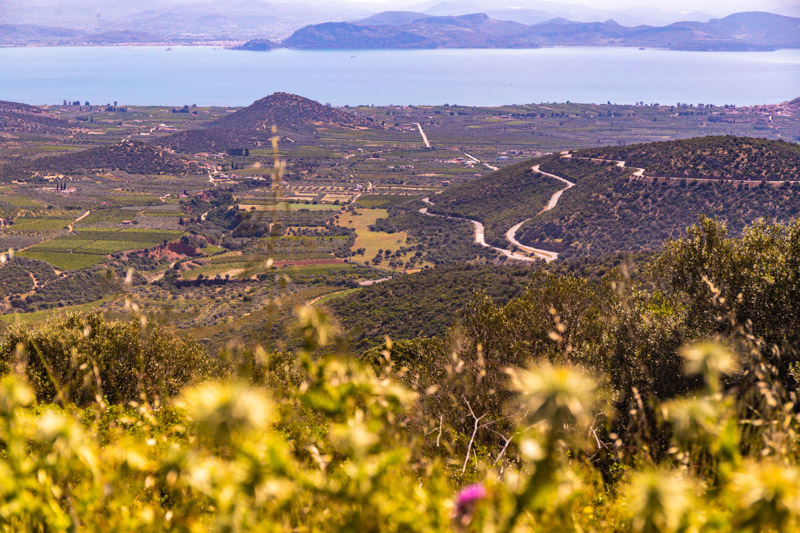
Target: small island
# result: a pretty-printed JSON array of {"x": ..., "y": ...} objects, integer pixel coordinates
[{"x": 256, "y": 45}]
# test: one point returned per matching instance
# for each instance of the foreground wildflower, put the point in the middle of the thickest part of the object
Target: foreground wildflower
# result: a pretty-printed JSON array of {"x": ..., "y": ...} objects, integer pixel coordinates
[
  {"x": 659, "y": 501},
  {"x": 466, "y": 501}
]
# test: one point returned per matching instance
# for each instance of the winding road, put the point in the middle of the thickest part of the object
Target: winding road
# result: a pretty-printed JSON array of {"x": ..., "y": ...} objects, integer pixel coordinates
[
  {"x": 538, "y": 253},
  {"x": 479, "y": 234},
  {"x": 637, "y": 172},
  {"x": 511, "y": 234}
]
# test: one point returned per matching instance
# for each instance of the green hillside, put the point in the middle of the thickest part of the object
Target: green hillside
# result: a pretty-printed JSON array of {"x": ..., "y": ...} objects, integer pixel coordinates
[
  {"x": 302, "y": 345},
  {"x": 720, "y": 157},
  {"x": 601, "y": 215},
  {"x": 576, "y": 405},
  {"x": 611, "y": 210},
  {"x": 498, "y": 200},
  {"x": 133, "y": 157},
  {"x": 425, "y": 304}
]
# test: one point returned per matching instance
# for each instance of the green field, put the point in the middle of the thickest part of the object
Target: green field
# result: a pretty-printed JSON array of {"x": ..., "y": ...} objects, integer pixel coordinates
[
  {"x": 335, "y": 295},
  {"x": 313, "y": 271},
  {"x": 21, "y": 202},
  {"x": 106, "y": 216},
  {"x": 212, "y": 270},
  {"x": 65, "y": 260},
  {"x": 212, "y": 249},
  {"x": 247, "y": 204},
  {"x": 56, "y": 148},
  {"x": 372, "y": 201},
  {"x": 73, "y": 252},
  {"x": 132, "y": 199},
  {"x": 234, "y": 258},
  {"x": 164, "y": 214},
  {"x": 39, "y": 224}
]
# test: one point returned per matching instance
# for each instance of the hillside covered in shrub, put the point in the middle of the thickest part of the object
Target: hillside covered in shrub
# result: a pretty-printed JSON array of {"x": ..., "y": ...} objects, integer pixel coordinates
[
  {"x": 133, "y": 157},
  {"x": 719, "y": 157},
  {"x": 423, "y": 304},
  {"x": 498, "y": 200},
  {"x": 251, "y": 126},
  {"x": 662, "y": 400},
  {"x": 611, "y": 209},
  {"x": 603, "y": 214}
]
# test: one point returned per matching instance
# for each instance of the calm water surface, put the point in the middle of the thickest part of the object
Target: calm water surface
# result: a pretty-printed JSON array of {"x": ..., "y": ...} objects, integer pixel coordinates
[{"x": 214, "y": 76}]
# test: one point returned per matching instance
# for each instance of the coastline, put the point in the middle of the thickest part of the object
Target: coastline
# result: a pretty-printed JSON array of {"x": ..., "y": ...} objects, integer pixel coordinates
[
  {"x": 153, "y": 44},
  {"x": 237, "y": 44}
]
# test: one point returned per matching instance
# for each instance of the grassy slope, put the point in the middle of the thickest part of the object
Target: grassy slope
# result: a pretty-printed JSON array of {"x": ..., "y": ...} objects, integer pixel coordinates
[{"x": 373, "y": 241}]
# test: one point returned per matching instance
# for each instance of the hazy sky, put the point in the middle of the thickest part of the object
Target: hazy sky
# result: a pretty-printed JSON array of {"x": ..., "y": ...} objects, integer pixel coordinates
[{"x": 709, "y": 6}]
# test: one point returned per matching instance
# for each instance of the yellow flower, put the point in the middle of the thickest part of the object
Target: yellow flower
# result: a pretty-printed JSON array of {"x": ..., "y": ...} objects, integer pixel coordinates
[
  {"x": 226, "y": 410},
  {"x": 708, "y": 359},
  {"x": 658, "y": 501},
  {"x": 556, "y": 395},
  {"x": 768, "y": 495}
]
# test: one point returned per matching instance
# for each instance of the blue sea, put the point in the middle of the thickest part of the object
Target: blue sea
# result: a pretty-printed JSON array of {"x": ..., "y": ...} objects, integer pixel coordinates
[{"x": 216, "y": 76}]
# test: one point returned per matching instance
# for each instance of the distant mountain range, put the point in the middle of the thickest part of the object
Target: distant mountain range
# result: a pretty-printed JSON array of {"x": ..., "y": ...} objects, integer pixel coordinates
[
  {"x": 75, "y": 22},
  {"x": 750, "y": 31},
  {"x": 166, "y": 20},
  {"x": 534, "y": 11}
]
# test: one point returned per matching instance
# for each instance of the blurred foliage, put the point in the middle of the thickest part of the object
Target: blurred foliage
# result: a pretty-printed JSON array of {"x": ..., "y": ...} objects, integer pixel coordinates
[
  {"x": 78, "y": 358},
  {"x": 657, "y": 400}
]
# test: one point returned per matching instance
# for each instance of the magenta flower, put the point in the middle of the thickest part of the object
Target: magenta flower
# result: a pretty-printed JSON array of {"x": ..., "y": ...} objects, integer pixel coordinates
[{"x": 467, "y": 498}]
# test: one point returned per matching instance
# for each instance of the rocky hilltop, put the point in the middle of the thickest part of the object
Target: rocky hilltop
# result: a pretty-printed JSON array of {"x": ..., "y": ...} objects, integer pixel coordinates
[
  {"x": 286, "y": 111},
  {"x": 465, "y": 31},
  {"x": 293, "y": 115}
]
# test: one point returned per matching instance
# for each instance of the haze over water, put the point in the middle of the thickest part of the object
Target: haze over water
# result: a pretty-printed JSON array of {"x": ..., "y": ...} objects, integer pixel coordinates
[{"x": 213, "y": 76}]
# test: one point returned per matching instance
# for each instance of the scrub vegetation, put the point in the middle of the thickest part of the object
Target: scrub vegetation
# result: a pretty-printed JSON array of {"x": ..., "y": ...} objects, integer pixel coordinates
[{"x": 223, "y": 326}]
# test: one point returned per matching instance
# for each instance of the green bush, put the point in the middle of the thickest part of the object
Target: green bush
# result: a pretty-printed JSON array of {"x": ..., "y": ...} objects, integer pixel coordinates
[
  {"x": 75, "y": 357},
  {"x": 640, "y": 403}
]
